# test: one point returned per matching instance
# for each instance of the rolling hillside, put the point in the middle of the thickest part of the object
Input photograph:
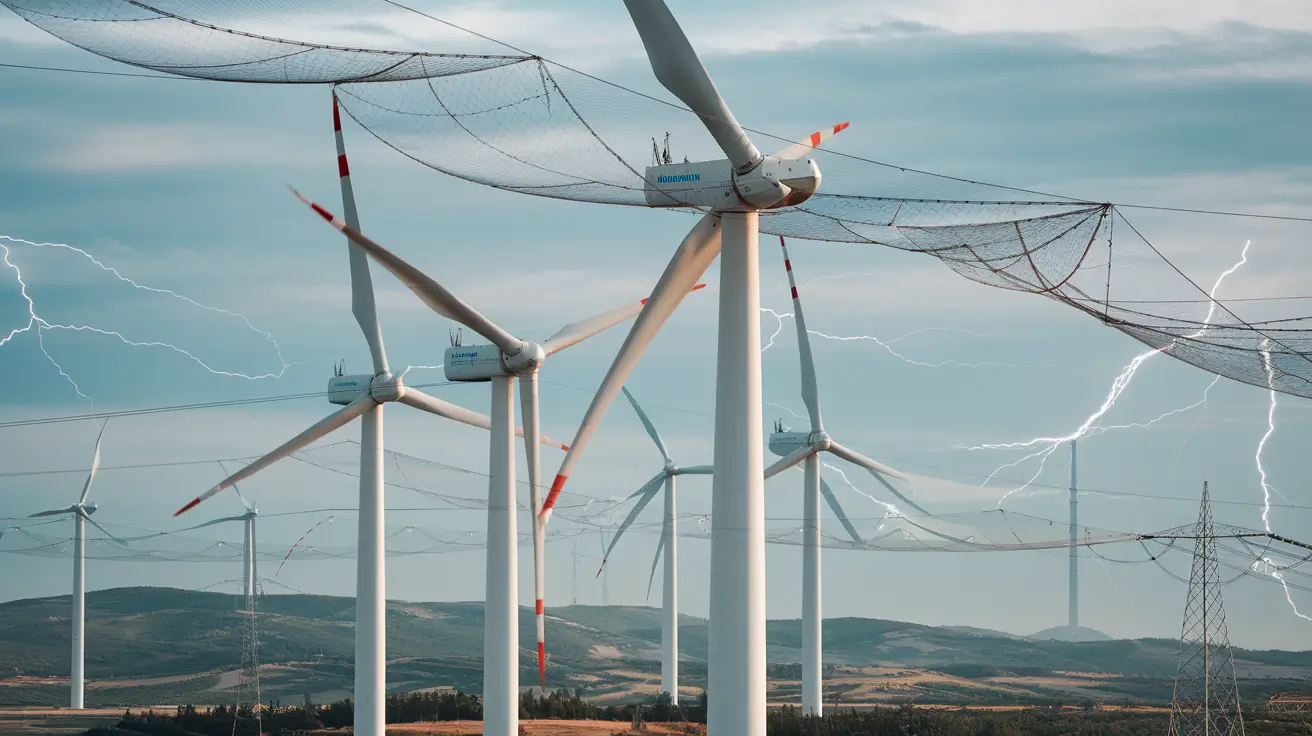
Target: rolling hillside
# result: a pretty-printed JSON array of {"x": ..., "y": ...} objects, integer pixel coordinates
[{"x": 161, "y": 645}]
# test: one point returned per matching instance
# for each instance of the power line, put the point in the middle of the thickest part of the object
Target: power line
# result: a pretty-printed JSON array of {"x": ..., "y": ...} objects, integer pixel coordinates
[
  {"x": 180, "y": 407},
  {"x": 897, "y": 461}
]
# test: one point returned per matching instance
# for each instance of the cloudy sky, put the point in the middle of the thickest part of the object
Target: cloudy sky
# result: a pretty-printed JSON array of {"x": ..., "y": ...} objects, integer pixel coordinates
[{"x": 180, "y": 185}]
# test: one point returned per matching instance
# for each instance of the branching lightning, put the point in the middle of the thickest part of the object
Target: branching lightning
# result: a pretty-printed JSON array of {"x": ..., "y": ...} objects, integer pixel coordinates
[
  {"x": 1271, "y": 568},
  {"x": 1091, "y": 426},
  {"x": 39, "y": 325},
  {"x": 892, "y": 510}
]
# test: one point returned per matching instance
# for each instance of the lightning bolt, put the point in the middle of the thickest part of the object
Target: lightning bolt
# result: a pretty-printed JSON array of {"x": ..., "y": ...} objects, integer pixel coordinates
[
  {"x": 1273, "y": 569},
  {"x": 1090, "y": 426},
  {"x": 892, "y": 510},
  {"x": 419, "y": 368},
  {"x": 38, "y": 324}
]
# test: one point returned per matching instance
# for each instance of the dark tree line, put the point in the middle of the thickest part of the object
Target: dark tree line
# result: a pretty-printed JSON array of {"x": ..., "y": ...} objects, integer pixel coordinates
[
  {"x": 905, "y": 720},
  {"x": 276, "y": 718}
]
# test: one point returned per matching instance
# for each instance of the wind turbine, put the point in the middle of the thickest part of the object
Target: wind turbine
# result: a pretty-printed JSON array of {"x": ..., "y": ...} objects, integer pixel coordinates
[
  {"x": 732, "y": 192},
  {"x": 805, "y": 447},
  {"x": 363, "y": 397},
  {"x": 668, "y": 544},
  {"x": 81, "y": 513},
  {"x": 249, "y": 568},
  {"x": 506, "y": 359}
]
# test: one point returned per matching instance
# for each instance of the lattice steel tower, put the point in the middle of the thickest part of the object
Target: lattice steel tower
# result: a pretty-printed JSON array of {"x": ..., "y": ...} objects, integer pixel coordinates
[
  {"x": 248, "y": 718},
  {"x": 1206, "y": 699}
]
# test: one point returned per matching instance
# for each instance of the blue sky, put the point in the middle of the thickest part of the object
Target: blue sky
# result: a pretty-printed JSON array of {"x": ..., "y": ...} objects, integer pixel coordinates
[{"x": 181, "y": 185}]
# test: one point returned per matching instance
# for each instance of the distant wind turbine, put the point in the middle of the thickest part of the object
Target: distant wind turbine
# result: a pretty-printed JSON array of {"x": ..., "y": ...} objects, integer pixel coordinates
[
  {"x": 81, "y": 513},
  {"x": 805, "y": 447},
  {"x": 668, "y": 544}
]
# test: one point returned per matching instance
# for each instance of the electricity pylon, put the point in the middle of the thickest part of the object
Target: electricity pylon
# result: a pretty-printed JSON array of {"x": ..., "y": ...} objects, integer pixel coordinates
[{"x": 1206, "y": 698}]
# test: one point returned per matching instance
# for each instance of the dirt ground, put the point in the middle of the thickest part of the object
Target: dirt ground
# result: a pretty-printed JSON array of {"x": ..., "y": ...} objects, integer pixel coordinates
[
  {"x": 540, "y": 728},
  {"x": 43, "y": 721}
]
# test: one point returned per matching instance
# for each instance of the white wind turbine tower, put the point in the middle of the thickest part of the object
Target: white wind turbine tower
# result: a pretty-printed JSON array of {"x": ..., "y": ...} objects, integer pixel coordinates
[
  {"x": 732, "y": 192},
  {"x": 363, "y": 397},
  {"x": 505, "y": 360},
  {"x": 805, "y": 447},
  {"x": 668, "y": 545},
  {"x": 250, "y": 568},
  {"x": 81, "y": 513}
]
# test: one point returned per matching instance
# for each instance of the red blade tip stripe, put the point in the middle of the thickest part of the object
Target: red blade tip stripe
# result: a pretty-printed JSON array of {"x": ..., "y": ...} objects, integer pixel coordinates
[
  {"x": 698, "y": 287},
  {"x": 815, "y": 139},
  {"x": 542, "y": 666},
  {"x": 557, "y": 486},
  {"x": 841, "y": 127},
  {"x": 788, "y": 265},
  {"x": 325, "y": 214},
  {"x": 539, "y": 607},
  {"x": 337, "y": 117},
  {"x": 190, "y": 505},
  {"x": 794, "y": 292},
  {"x": 342, "y": 169}
]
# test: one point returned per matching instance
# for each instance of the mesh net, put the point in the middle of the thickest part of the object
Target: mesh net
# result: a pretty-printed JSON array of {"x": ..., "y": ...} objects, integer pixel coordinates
[
  {"x": 525, "y": 124},
  {"x": 233, "y": 41}
]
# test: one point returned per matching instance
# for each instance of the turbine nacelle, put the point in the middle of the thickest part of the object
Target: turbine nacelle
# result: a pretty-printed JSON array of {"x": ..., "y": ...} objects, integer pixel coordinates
[
  {"x": 87, "y": 508},
  {"x": 384, "y": 387},
  {"x": 784, "y": 444},
  {"x": 485, "y": 362},
  {"x": 774, "y": 182}
]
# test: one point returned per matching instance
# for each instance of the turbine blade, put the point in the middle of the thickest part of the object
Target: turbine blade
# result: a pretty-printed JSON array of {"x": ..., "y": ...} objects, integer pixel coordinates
[
  {"x": 646, "y": 422},
  {"x": 810, "y": 390},
  {"x": 789, "y": 460},
  {"x": 53, "y": 512},
  {"x": 212, "y": 522},
  {"x": 698, "y": 470},
  {"x": 576, "y": 332},
  {"x": 528, "y": 405},
  {"x": 677, "y": 68},
  {"x": 857, "y": 458},
  {"x": 880, "y": 471},
  {"x": 95, "y": 465},
  {"x": 645, "y": 486},
  {"x": 436, "y": 296},
  {"x": 317, "y": 430},
  {"x": 242, "y": 498},
  {"x": 803, "y": 147},
  {"x": 110, "y": 535},
  {"x": 837, "y": 508},
  {"x": 656, "y": 561},
  {"x": 433, "y": 405},
  {"x": 362, "y": 284},
  {"x": 646, "y": 494},
  {"x": 690, "y": 261}
]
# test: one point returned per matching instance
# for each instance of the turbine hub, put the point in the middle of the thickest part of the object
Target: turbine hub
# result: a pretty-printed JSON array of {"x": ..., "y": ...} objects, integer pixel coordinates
[
  {"x": 820, "y": 441},
  {"x": 386, "y": 387},
  {"x": 89, "y": 508},
  {"x": 527, "y": 360}
]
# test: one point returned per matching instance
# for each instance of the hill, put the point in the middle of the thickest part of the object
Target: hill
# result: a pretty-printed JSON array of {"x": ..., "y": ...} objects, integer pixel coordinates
[
  {"x": 161, "y": 645},
  {"x": 1071, "y": 633}
]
